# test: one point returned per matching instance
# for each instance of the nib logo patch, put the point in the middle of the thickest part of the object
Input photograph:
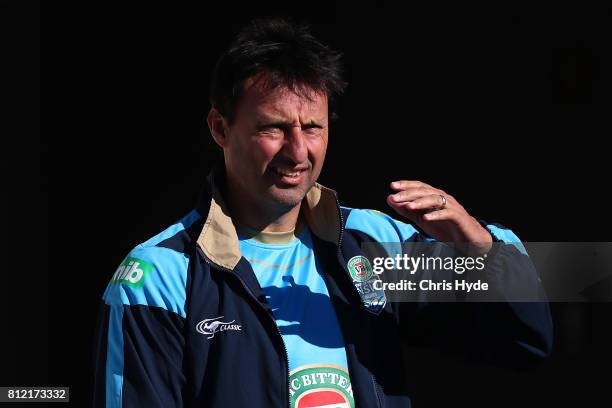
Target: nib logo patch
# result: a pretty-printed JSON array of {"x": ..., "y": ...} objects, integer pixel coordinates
[{"x": 132, "y": 272}]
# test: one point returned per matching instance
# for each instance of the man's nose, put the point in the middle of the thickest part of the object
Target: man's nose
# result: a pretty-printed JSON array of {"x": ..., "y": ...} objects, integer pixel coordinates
[{"x": 295, "y": 145}]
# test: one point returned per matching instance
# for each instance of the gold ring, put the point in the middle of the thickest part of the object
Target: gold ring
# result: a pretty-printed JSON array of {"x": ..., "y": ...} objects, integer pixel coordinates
[{"x": 443, "y": 201}]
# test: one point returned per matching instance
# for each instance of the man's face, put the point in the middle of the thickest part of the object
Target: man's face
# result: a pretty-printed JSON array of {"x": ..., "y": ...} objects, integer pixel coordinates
[{"x": 275, "y": 148}]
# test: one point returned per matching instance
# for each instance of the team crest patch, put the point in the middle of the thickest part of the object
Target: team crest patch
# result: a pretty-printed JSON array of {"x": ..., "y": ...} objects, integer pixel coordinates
[
  {"x": 364, "y": 278},
  {"x": 326, "y": 386},
  {"x": 360, "y": 268}
]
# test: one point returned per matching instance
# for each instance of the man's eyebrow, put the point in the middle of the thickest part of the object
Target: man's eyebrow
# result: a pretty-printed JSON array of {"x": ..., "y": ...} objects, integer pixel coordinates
[
  {"x": 262, "y": 118},
  {"x": 313, "y": 122},
  {"x": 272, "y": 122},
  {"x": 277, "y": 122}
]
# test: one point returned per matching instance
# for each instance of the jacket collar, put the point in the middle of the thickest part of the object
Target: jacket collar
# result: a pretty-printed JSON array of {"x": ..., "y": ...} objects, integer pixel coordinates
[{"x": 219, "y": 239}]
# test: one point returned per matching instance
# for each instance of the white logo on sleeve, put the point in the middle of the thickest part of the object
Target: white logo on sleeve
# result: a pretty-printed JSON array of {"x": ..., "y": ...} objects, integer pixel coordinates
[{"x": 209, "y": 327}]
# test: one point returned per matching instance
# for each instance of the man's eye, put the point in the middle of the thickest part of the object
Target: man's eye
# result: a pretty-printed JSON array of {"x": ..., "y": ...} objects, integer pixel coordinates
[
  {"x": 312, "y": 129},
  {"x": 270, "y": 129}
]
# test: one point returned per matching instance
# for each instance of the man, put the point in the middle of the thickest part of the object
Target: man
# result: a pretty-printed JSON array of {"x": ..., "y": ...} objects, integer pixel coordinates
[{"x": 262, "y": 295}]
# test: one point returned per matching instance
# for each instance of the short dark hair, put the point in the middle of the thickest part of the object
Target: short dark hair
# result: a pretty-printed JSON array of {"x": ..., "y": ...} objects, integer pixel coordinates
[{"x": 287, "y": 55}]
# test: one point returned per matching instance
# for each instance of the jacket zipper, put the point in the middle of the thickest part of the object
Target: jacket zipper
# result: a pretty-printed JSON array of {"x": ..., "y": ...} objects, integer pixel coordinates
[
  {"x": 376, "y": 387},
  {"x": 341, "y": 255},
  {"x": 244, "y": 285}
]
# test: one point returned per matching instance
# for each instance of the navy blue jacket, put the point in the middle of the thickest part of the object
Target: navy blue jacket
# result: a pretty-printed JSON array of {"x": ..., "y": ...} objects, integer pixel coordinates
[{"x": 155, "y": 346}]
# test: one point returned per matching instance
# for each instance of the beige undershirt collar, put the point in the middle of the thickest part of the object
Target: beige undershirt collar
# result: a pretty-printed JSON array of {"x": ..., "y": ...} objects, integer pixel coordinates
[{"x": 267, "y": 237}]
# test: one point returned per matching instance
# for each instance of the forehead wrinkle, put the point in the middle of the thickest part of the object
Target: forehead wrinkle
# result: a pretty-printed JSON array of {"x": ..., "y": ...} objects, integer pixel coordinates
[
  {"x": 275, "y": 112},
  {"x": 271, "y": 104}
]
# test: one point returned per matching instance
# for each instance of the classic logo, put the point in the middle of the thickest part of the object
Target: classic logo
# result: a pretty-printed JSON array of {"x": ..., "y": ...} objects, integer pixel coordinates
[
  {"x": 209, "y": 327},
  {"x": 132, "y": 272},
  {"x": 320, "y": 387},
  {"x": 360, "y": 268}
]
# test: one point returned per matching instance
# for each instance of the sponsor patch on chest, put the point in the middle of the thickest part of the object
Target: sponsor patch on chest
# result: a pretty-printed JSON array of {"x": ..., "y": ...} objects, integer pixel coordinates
[{"x": 325, "y": 386}]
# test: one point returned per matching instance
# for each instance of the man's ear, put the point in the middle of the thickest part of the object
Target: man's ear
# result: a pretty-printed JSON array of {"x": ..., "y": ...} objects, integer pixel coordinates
[{"x": 218, "y": 127}]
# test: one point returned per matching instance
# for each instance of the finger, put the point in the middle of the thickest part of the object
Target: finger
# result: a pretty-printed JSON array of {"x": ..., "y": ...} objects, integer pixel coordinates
[
  {"x": 440, "y": 215},
  {"x": 404, "y": 211},
  {"x": 429, "y": 202},
  {"x": 404, "y": 184},
  {"x": 412, "y": 194}
]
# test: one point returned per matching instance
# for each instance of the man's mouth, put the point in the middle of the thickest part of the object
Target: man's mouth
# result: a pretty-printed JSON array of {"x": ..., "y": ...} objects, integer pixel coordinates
[
  {"x": 290, "y": 176},
  {"x": 288, "y": 173}
]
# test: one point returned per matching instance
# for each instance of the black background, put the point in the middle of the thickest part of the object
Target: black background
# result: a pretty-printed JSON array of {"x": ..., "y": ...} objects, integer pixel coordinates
[{"x": 507, "y": 107}]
